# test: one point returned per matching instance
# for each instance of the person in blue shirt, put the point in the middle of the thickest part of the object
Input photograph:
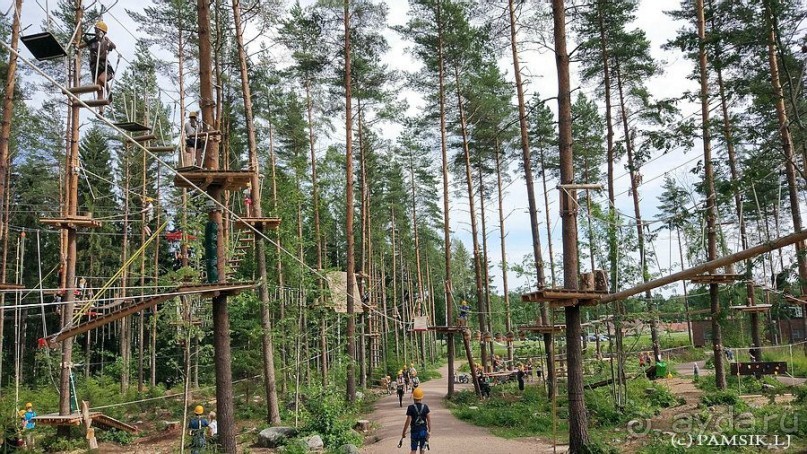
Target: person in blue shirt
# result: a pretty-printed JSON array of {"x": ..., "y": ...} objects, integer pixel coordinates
[
  {"x": 196, "y": 427},
  {"x": 28, "y": 425},
  {"x": 464, "y": 310}
]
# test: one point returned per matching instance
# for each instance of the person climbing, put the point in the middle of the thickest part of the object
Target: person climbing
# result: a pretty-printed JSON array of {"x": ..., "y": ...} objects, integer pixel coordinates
[
  {"x": 28, "y": 425},
  {"x": 102, "y": 72},
  {"x": 248, "y": 200},
  {"x": 464, "y": 310},
  {"x": 193, "y": 143},
  {"x": 196, "y": 429},
  {"x": 212, "y": 428},
  {"x": 520, "y": 377},
  {"x": 417, "y": 415},
  {"x": 400, "y": 387}
]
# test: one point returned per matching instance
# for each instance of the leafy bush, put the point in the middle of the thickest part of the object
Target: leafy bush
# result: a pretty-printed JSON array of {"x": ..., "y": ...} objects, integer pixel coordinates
[
  {"x": 329, "y": 417},
  {"x": 115, "y": 436},
  {"x": 727, "y": 397}
]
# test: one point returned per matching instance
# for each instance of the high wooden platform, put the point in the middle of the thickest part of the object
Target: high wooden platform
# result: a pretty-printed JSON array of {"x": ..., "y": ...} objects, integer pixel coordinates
[
  {"x": 131, "y": 126},
  {"x": 716, "y": 278},
  {"x": 72, "y": 222},
  {"x": 444, "y": 329},
  {"x": 205, "y": 290},
  {"x": 248, "y": 223},
  {"x": 228, "y": 180},
  {"x": 75, "y": 419},
  {"x": 43, "y": 46},
  {"x": 543, "y": 329},
  {"x": 561, "y": 297},
  {"x": 754, "y": 308}
]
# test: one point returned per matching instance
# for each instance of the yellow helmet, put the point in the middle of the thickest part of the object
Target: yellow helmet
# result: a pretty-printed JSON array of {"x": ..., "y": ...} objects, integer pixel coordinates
[
  {"x": 101, "y": 25},
  {"x": 193, "y": 114},
  {"x": 417, "y": 394},
  {"x": 199, "y": 410},
  {"x": 29, "y": 405}
]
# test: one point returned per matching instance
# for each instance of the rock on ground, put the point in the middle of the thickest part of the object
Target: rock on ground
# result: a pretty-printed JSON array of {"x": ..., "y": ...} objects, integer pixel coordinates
[
  {"x": 273, "y": 437},
  {"x": 314, "y": 443}
]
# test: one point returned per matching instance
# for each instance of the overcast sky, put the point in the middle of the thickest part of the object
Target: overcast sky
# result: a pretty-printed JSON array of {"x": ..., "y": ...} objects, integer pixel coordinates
[{"x": 541, "y": 77}]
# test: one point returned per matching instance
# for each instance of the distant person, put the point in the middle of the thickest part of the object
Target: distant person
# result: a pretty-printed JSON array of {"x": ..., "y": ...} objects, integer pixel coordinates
[
  {"x": 28, "y": 425},
  {"x": 520, "y": 377},
  {"x": 193, "y": 143},
  {"x": 196, "y": 429},
  {"x": 400, "y": 387},
  {"x": 415, "y": 381},
  {"x": 417, "y": 415},
  {"x": 696, "y": 371},
  {"x": 464, "y": 310},
  {"x": 102, "y": 72}
]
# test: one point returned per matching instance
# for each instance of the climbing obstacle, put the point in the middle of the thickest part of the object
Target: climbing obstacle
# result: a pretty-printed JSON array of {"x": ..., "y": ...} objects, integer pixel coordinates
[
  {"x": 250, "y": 223},
  {"x": 228, "y": 180},
  {"x": 72, "y": 222},
  {"x": 43, "y": 46},
  {"x": 717, "y": 278}
]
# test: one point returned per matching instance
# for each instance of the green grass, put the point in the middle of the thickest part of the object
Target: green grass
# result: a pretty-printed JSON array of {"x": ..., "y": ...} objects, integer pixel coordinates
[{"x": 796, "y": 364}]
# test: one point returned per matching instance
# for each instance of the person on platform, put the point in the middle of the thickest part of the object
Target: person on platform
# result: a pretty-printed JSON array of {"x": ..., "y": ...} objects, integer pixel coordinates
[
  {"x": 102, "y": 72},
  {"x": 193, "y": 142},
  {"x": 464, "y": 310}
]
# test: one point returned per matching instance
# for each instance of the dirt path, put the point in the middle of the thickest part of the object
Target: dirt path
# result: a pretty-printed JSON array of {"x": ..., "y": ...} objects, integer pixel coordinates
[{"x": 449, "y": 434}]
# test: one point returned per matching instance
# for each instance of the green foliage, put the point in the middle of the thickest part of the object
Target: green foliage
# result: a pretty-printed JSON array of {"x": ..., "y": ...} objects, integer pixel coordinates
[
  {"x": 115, "y": 436},
  {"x": 328, "y": 415},
  {"x": 728, "y": 397}
]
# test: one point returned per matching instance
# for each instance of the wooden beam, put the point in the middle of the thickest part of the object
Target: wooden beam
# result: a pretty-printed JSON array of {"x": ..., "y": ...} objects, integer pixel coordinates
[{"x": 778, "y": 243}]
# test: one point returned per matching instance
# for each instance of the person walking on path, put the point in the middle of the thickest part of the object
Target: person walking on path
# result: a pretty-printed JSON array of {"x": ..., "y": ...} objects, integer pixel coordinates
[
  {"x": 400, "y": 386},
  {"x": 196, "y": 427},
  {"x": 520, "y": 376},
  {"x": 417, "y": 415}
]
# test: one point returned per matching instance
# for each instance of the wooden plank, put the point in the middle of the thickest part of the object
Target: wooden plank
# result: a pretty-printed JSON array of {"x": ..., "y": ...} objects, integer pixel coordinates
[
  {"x": 109, "y": 422},
  {"x": 760, "y": 368},
  {"x": 73, "y": 419},
  {"x": 166, "y": 149},
  {"x": 131, "y": 126},
  {"x": 72, "y": 222},
  {"x": 226, "y": 179},
  {"x": 43, "y": 46},
  {"x": 94, "y": 102},
  {"x": 84, "y": 89},
  {"x": 144, "y": 138},
  {"x": 247, "y": 223},
  {"x": 755, "y": 308},
  {"x": 543, "y": 329},
  {"x": 7, "y": 287},
  {"x": 557, "y": 294},
  {"x": 716, "y": 278}
]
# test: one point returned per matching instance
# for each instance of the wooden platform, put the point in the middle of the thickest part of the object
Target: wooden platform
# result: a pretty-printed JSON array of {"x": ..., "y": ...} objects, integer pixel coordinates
[
  {"x": 248, "y": 223},
  {"x": 95, "y": 102},
  {"x": 165, "y": 149},
  {"x": 754, "y": 308},
  {"x": 543, "y": 329},
  {"x": 716, "y": 278},
  {"x": 144, "y": 138},
  {"x": 560, "y": 297},
  {"x": 205, "y": 290},
  {"x": 80, "y": 89},
  {"x": 43, "y": 46},
  {"x": 131, "y": 126},
  {"x": 793, "y": 299},
  {"x": 228, "y": 180},
  {"x": 446, "y": 329},
  {"x": 72, "y": 222}
]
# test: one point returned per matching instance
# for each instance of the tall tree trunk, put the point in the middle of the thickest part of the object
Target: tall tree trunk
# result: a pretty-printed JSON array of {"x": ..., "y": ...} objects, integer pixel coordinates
[
  {"x": 71, "y": 209},
  {"x": 221, "y": 319},
  {"x": 270, "y": 386},
  {"x": 686, "y": 295},
  {"x": 787, "y": 149},
  {"x": 578, "y": 418},
  {"x": 480, "y": 295},
  {"x": 351, "y": 259},
  {"x": 363, "y": 265},
  {"x": 711, "y": 202},
  {"x": 549, "y": 347},
  {"x": 484, "y": 261},
  {"x": 635, "y": 178},
  {"x": 449, "y": 289},
  {"x": 126, "y": 322},
  {"x": 421, "y": 298},
  {"x": 505, "y": 288}
]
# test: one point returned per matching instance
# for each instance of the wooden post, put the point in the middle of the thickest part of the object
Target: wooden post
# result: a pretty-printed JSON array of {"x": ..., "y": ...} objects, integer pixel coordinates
[
  {"x": 92, "y": 443},
  {"x": 466, "y": 340}
]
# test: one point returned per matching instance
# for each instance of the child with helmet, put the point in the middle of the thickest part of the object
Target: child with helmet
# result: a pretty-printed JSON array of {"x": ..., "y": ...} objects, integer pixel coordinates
[
  {"x": 417, "y": 415},
  {"x": 196, "y": 427}
]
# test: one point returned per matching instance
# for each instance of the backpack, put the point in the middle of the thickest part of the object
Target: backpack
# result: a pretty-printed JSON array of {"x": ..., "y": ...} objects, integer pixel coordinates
[{"x": 420, "y": 419}]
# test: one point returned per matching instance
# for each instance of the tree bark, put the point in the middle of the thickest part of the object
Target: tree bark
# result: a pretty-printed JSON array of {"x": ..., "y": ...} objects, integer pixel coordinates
[
  {"x": 505, "y": 288},
  {"x": 351, "y": 259},
  {"x": 480, "y": 296},
  {"x": 549, "y": 347},
  {"x": 8, "y": 103},
  {"x": 270, "y": 386},
  {"x": 578, "y": 418},
  {"x": 448, "y": 288}
]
